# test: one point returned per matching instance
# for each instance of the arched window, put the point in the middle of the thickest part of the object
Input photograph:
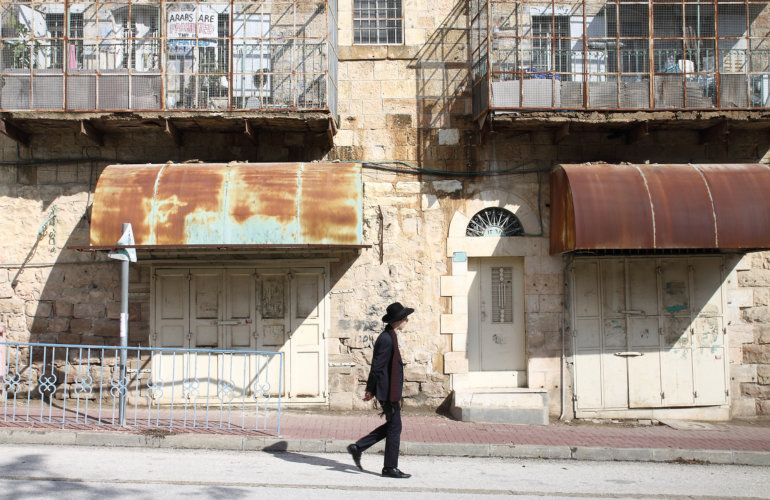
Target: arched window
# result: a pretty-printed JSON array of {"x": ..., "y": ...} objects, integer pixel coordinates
[{"x": 494, "y": 221}]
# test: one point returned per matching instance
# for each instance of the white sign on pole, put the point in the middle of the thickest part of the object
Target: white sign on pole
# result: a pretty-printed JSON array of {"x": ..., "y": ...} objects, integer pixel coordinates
[{"x": 129, "y": 254}]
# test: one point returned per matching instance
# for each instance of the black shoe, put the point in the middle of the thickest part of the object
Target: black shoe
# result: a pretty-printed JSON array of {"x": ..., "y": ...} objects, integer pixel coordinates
[
  {"x": 355, "y": 452},
  {"x": 394, "y": 472}
]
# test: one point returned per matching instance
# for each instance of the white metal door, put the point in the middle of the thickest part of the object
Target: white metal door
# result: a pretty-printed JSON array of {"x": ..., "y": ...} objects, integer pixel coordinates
[
  {"x": 648, "y": 332},
  {"x": 172, "y": 329},
  {"x": 643, "y": 354},
  {"x": 172, "y": 308},
  {"x": 240, "y": 309},
  {"x": 496, "y": 315},
  {"x": 675, "y": 319},
  {"x": 237, "y": 327},
  {"x": 307, "y": 375},
  {"x": 708, "y": 341},
  {"x": 614, "y": 332},
  {"x": 273, "y": 325}
]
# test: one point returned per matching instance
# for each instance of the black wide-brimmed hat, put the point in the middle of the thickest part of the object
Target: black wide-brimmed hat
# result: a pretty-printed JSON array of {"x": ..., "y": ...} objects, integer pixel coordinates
[{"x": 396, "y": 312}]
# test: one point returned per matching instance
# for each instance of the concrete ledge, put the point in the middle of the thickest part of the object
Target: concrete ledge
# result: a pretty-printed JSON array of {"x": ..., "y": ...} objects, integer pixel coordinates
[
  {"x": 273, "y": 444},
  {"x": 751, "y": 457},
  {"x": 17, "y": 436},
  {"x": 612, "y": 454},
  {"x": 706, "y": 456},
  {"x": 201, "y": 441},
  {"x": 530, "y": 451},
  {"x": 116, "y": 439},
  {"x": 446, "y": 449}
]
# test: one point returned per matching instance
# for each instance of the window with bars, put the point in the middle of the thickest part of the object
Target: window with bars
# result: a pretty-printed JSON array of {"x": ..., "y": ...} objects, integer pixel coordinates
[
  {"x": 54, "y": 46},
  {"x": 501, "y": 281},
  {"x": 378, "y": 22},
  {"x": 548, "y": 56}
]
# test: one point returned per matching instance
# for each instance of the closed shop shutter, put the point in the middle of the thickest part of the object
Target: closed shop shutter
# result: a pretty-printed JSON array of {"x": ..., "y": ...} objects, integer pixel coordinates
[
  {"x": 648, "y": 332},
  {"x": 241, "y": 309}
]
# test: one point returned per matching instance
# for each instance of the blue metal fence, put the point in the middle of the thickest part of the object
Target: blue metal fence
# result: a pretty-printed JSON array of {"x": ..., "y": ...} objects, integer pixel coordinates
[{"x": 168, "y": 388}]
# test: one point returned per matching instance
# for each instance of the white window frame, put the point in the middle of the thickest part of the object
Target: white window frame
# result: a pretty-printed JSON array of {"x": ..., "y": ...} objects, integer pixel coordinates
[{"x": 378, "y": 22}]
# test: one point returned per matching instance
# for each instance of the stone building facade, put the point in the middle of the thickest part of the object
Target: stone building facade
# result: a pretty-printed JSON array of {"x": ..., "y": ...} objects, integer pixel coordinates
[{"x": 399, "y": 107}]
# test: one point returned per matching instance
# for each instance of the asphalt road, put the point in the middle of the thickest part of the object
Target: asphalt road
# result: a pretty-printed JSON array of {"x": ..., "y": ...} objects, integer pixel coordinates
[{"x": 62, "y": 472}]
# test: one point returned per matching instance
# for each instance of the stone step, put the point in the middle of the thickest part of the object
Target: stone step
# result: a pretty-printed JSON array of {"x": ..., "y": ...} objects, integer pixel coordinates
[{"x": 502, "y": 406}]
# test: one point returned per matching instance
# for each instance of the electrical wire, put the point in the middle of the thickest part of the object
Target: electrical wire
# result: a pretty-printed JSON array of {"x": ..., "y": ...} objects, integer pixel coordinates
[
  {"x": 414, "y": 169},
  {"x": 22, "y": 163}
]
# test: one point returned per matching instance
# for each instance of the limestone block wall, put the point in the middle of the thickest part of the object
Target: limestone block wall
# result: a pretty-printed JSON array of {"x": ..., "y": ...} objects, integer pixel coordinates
[
  {"x": 50, "y": 293},
  {"x": 407, "y": 102},
  {"x": 405, "y": 226},
  {"x": 748, "y": 335}
]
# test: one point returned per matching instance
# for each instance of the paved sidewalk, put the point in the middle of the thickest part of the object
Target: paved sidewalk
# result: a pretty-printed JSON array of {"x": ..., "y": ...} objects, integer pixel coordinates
[{"x": 429, "y": 434}]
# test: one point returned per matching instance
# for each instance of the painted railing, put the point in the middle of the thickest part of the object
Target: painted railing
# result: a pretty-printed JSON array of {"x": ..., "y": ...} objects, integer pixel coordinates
[{"x": 159, "y": 388}]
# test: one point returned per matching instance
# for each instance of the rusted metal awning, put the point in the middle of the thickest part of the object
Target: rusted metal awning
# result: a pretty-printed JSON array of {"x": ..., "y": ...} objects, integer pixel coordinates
[
  {"x": 235, "y": 205},
  {"x": 634, "y": 207}
]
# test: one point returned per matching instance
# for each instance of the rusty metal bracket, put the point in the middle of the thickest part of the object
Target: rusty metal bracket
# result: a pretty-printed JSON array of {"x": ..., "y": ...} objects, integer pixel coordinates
[
  {"x": 14, "y": 132},
  {"x": 91, "y": 132},
  {"x": 250, "y": 132},
  {"x": 173, "y": 132}
]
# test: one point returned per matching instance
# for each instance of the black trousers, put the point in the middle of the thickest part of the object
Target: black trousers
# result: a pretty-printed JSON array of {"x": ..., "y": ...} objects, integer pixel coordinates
[{"x": 390, "y": 431}]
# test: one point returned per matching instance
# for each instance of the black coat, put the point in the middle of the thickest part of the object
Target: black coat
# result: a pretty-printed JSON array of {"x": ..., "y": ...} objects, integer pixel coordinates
[{"x": 379, "y": 375}]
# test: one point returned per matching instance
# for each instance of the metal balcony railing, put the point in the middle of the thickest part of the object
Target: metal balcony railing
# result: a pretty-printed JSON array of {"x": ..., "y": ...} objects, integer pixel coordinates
[
  {"x": 620, "y": 54},
  {"x": 63, "y": 384},
  {"x": 168, "y": 55}
]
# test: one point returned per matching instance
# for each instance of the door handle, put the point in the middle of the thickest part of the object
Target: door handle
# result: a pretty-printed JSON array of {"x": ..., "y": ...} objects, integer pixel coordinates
[
  {"x": 628, "y": 354},
  {"x": 227, "y": 322},
  {"x": 632, "y": 311}
]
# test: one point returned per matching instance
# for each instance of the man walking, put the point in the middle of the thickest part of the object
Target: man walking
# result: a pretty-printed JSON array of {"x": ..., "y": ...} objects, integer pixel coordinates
[{"x": 386, "y": 379}]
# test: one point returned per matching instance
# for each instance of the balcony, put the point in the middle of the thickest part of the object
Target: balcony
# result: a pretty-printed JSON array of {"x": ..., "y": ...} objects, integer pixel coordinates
[
  {"x": 620, "y": 55},
  {"x": 227, "y": 59}
]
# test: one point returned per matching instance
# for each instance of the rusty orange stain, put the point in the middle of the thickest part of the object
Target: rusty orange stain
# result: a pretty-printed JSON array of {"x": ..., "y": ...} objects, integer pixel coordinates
[{"x": 236, "y": 204}]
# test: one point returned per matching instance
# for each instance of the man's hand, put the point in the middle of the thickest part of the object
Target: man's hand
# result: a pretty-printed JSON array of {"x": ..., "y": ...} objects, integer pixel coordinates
[{"x": 367, "y": 396}]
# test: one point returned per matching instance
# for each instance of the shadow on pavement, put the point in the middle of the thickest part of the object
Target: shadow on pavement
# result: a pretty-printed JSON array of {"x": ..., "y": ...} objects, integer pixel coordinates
[
  {"x": 30, "y": 476},
  {"x": 279, "y": 450}
]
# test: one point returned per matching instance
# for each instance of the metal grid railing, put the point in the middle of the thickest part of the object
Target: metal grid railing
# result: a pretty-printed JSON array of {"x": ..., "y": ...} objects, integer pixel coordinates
[
  {"x": 167, "y": 55},
  {"x": 170, "y": 388},
  {"x": 620, "y": 54}
]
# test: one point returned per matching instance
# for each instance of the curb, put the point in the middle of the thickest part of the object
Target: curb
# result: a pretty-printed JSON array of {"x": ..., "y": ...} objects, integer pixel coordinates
[{"x": 481, "y": 450}]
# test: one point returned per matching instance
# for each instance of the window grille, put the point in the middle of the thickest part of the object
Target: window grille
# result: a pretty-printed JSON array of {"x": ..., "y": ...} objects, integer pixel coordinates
[
  {"x": 502, "y": 296},
  {"x": 378, "y": 22},
  {"x": 494, "y": 221}
]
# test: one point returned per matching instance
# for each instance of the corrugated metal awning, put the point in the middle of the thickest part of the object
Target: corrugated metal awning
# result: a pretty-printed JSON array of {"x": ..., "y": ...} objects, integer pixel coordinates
[
  {"x": 232, "y": 205},
  {"x": 634, "y": 207}
]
